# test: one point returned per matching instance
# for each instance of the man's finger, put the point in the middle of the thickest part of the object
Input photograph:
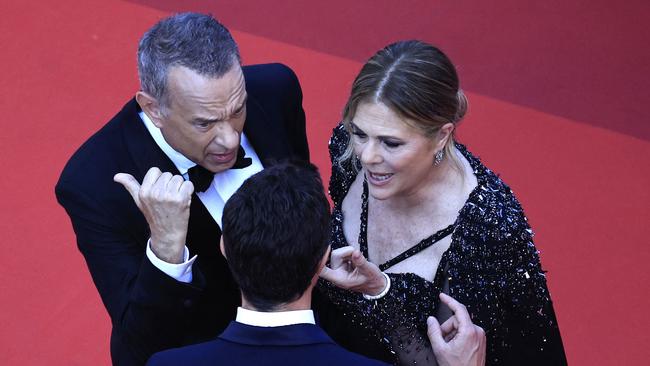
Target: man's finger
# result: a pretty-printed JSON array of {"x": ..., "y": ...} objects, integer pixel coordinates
[
  {"x": 174, "y": 184},
  {"x": 459, "y": 310},
  {"x": 130, "y": 183},
  {"x": 187, "y": 188},
  {"x": 160, "y": 186},
  {"x": 150, "y": 178}
]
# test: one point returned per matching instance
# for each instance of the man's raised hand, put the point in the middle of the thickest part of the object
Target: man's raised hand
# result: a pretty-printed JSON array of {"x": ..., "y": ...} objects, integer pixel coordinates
[{"x": 164, "y": 200}]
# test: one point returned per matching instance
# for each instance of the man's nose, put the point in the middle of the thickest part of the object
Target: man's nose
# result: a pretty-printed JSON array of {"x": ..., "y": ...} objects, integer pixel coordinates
[{"x": 226, "y": 136}]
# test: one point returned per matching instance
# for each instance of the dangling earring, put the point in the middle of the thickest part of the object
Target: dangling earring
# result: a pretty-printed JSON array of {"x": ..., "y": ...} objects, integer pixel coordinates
[{"x": 438, "y": 158}]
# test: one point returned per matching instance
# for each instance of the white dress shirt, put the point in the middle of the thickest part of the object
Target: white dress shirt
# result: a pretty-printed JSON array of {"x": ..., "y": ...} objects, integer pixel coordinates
[
  {"x": 274, "y": 319},
  {"x": 214, "y": 198}
]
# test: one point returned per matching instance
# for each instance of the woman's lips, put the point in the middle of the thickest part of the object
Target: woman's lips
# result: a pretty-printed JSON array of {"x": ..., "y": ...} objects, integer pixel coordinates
[{"x": 379, "y": 179}]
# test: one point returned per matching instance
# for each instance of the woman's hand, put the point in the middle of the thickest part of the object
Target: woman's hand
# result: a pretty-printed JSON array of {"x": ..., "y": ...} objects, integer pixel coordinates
[
  {"x": 349, "y": 270},
  {"x": 458, "y": 341}
]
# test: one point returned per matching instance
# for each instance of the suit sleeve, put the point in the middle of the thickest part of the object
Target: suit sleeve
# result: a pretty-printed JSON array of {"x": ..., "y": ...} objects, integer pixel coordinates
[{"x": 147, "y": 307}]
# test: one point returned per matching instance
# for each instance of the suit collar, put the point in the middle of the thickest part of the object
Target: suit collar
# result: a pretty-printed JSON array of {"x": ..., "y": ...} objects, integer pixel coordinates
[
  {"x": 288, "y": 335},
  {"x": 182, "y": 163},
  {"x": 142, "y": 147},
  {"x": 274, "y": 319},
  {"x": 266, "y": 136}
]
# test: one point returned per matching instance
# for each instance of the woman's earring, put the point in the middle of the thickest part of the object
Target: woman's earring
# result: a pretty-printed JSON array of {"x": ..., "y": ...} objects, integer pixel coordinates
[{"x": 438, "y": 158}]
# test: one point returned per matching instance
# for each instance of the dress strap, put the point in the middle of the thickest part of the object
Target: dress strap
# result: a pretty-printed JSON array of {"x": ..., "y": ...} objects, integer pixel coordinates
[{"x": 422, "y": 245}]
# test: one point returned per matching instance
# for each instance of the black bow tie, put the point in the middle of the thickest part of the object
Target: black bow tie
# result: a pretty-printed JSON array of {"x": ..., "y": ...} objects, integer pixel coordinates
[{"x": 201, "y": 178}]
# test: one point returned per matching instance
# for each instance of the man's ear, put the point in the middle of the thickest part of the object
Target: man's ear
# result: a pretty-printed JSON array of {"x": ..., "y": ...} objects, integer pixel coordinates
[
  {"x": 325, "y": 258},
  {"x": 151, "y": 107},
  {"x": 223, "y": 249},
  {"x": 444, "y": 134},
  {"x": 323, "y": 262}
]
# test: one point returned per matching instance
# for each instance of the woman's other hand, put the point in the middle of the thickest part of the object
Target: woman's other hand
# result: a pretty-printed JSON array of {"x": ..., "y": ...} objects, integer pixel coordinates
[{"x": 458, "y": 341}]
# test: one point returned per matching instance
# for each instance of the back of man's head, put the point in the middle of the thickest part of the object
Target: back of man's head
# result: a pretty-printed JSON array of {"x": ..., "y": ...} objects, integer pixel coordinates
[
  {"x": 275, "y": 233},
  {"x": 196, "y": 41}
]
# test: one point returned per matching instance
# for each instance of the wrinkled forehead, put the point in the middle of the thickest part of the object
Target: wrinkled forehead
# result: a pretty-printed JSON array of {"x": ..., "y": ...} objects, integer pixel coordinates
[{"x": 187, "y": 87}]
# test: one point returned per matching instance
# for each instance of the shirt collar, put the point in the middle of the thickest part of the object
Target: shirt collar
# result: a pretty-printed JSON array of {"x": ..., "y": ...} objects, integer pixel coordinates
[
  {"x": 274, "y": 319},
  {"x": 182, "y": 163}
]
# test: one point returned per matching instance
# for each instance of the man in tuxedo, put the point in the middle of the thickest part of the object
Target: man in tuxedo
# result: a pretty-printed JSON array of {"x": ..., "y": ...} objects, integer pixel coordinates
[
  {"x": 199, "y": 116},
  {"x": 275, "y": 239}
]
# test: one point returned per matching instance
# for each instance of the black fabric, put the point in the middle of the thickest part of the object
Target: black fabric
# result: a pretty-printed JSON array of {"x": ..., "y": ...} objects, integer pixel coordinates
[
  {"x": 242, "y": 161},
  {"x": 201, "y": 178},
  {"x": 149, "y": 310}
]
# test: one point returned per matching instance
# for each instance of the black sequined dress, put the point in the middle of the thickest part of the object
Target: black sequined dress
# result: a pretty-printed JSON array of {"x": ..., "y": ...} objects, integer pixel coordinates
[{"x": 491, "y": 266}]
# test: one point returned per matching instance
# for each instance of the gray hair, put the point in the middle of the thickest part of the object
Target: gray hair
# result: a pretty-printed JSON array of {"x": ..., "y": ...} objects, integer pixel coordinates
[{"x": 196, "y": 41}]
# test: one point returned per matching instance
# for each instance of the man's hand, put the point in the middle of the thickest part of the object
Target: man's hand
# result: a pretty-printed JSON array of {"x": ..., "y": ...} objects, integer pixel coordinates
[
  {"x": 458, "y": 342},
  {"x": 351, "y": 271},
  {"x": 165, "y": 203}
]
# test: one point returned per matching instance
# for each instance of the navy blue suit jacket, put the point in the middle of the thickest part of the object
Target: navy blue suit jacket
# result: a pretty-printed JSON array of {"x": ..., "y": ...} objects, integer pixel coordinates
[
  {"x": 240, "y": 344},
  {"x": 149, "y": 310}
]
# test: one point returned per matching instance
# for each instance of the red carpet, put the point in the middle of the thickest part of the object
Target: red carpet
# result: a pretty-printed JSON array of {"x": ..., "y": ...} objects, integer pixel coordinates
[{"x": 558, "y": 94}]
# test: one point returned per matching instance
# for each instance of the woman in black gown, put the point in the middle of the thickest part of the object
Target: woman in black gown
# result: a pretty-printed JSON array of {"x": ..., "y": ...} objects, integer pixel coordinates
[{"x": 425, "y": 211}]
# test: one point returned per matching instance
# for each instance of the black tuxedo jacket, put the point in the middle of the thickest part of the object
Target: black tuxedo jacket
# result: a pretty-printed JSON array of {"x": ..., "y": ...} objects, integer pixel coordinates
[
  {"x": 240, "y": 344},
  {"x": 149, "y": 310}
]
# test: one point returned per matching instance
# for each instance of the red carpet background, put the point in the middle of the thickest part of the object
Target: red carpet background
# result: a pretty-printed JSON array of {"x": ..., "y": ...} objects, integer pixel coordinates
[{"x": 558, "y": 96}]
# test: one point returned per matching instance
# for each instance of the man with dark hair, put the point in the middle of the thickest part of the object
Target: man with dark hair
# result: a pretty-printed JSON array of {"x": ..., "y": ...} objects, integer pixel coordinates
[
  {"x": 201, "y": 117},
  {"x": 275, "y": 239}
]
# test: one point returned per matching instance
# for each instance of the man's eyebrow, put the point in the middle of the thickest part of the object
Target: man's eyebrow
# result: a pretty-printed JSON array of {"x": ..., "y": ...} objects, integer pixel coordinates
[
  {"x": 215, "y": 120},
  {"x": 243, "y": 103},
  {"x": 206, "y": 120}
]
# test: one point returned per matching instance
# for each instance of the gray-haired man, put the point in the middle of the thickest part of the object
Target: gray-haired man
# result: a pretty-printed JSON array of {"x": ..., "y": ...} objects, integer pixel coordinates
[{"x": 198, "y": 115}]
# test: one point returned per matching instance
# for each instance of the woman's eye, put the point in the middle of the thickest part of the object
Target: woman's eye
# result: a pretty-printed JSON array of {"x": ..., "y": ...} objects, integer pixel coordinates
[
  {"x": 392, "y": 144},
  {"x": 359, "y": 134}
]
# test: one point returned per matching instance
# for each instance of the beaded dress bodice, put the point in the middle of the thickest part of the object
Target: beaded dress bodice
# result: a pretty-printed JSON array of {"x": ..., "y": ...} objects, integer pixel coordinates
[{"x": 491, "y": 266}]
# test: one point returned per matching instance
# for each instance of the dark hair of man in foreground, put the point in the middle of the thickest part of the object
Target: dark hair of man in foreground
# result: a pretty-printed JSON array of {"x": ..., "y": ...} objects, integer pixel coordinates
[{"x": 275, "y": 234}]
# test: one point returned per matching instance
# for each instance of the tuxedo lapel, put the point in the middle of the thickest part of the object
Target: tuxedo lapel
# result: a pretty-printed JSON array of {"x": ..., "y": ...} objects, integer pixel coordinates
[
  {"x": 267, "y": 136},
  {"x": 144, "y": 151}
]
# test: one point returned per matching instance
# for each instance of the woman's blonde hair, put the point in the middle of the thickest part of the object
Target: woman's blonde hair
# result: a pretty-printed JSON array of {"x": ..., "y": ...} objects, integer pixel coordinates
[{"x": 418, "y": 82}]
